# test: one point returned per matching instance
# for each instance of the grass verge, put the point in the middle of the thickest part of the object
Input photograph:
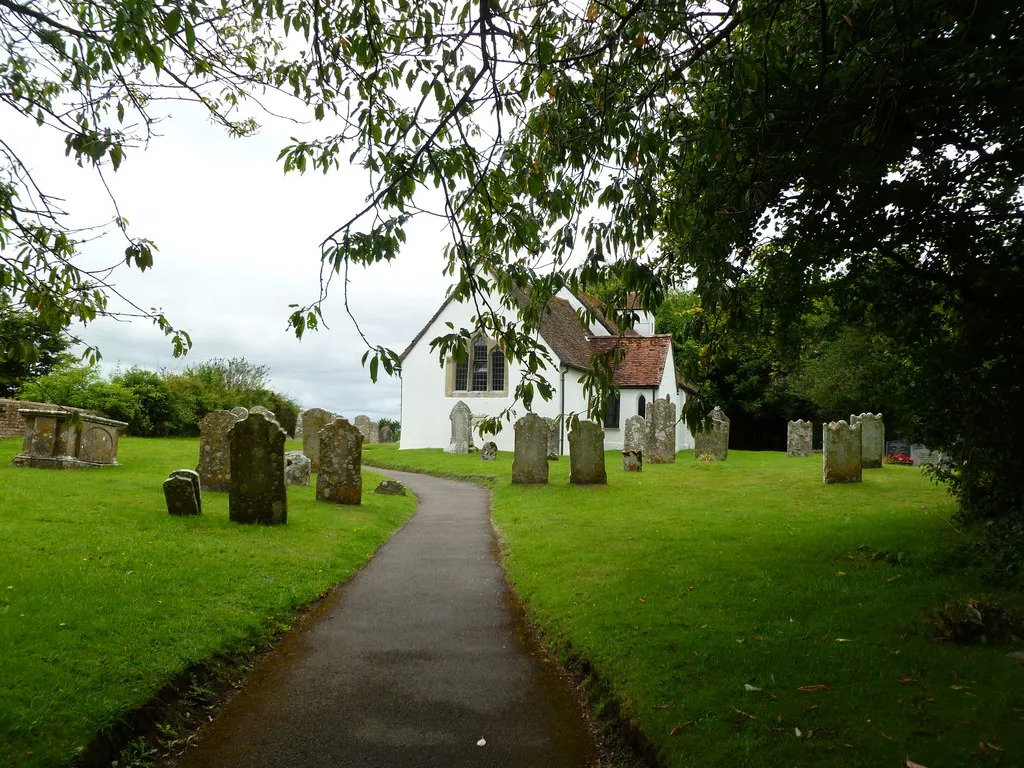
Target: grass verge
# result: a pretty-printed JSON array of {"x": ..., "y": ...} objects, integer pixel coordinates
[
  {"x": 105, "y": 599},
  {"x": 744, "y": 614}
]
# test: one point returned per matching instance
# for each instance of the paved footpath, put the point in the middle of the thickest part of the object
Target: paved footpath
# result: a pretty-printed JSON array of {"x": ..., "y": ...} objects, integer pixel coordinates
[{"x": 411, "y": 663}]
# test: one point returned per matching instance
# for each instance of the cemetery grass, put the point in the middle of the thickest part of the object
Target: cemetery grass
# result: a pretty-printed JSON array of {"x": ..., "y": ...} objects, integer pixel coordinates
[
  {"x": 745, "y": 614},
  {"x": 105, "y": 598}
]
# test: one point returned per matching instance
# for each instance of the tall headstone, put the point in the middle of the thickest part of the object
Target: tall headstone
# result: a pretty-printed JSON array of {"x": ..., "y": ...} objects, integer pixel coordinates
[
  {"x": 554, "y": 438},
  {"x": 215, "y": 450},
  {"x": 586, "y": 454},
  {"x": 386, "y": 435},
  {"x": 530, "y": 461},
  {"x": 180, "y": 495},
  {"x": 799, "y": 439},
  {"x": 296, "y": 468},
  {"x": 841, "y": 453},
  {"x": 713, "y": 445},
  {"x": 313, "y": 420},
  {"x": 872, "y": 439},
  {"x": 660, "y": 441},
  {"x": 298, "y": 427},
  {"x": 341, "y": 458},
  {"x": 462, "y": 428},
  {"x": 258, "y": 493},
  {"x": 634, "y": 434}
]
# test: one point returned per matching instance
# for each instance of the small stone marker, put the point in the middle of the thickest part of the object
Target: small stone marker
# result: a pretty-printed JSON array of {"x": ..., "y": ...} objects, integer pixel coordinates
[
  {"x": 530, "y": 462},
  {"x": 258, "y": 493},
  {"x": 214, "y": 466},
  {"x": 180, "y": 495},
  {"x": 341, "y": 459},
  {"x": 872, "y": 439},
  {"x": 462, "y": 429},
  {"x": 586, "y": 454},
  {"x": 660, "y": 440},
  {"x": 633, "y": 461},
  {"x": 554, "y": 438},
  {"x": 197, "y": 486},
  {"x": 799, "y": 439},
  {"x": 390, "y": 488},
  {"x": 386, "y": 435},
  {"x": 489, "y": 452},
  {"x": 713, "y": 445},
  {"x": 297, "y": 467},
  {"x": 634, "y": 434},
  {"x": 841, "y": 453},
  {"x": 313, "y": 420}
]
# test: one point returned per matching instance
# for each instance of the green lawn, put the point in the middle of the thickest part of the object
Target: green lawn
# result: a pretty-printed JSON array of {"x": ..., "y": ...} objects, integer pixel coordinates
[
  {"x": 104, "y": 597},
  {"x": 705, "y": 596}
]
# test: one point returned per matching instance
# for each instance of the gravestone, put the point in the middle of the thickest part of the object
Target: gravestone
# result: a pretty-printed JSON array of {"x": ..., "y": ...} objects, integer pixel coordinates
[
  {"x": 462, "y": 429},
  {"x": 180, "y": 495},
  {"x": 386, "y": 435},
  {"x": 258, "y": 493},
  {"x": 660, "y": 440},
  {"x": 841, "y": 453},
  {"x": 530, "y": 461},
  {"x": 313, "y": 420},
  {"x": 215, "y": 449},
  {"x": 872, "y": 439},
  {"x": 634, "y": 434},
  {"x": 56, "y": 438},
  {"x": 554, "y": 438},
  {"x": 633, "y": 461},
  {"x": 586, "y": 454},
  {"x": 296, "y": 468},
  {"x": 265, "y": 411},
  {"x": 240, "y": 412},
  {"x": 193, "y": 477},
  {"x": 489, "y": 452},
  {"x": 341, "y": 458},
  {"x": 713, "y": 445},
  {"x": 923, "y": 455},
  {"x": 897, "y": 448},
  {"x": 367, "y": 428},
  {"x": 390, "y": 488},
  {"x": 298, "y": 427},
  {"x": 799, "y": 439}
]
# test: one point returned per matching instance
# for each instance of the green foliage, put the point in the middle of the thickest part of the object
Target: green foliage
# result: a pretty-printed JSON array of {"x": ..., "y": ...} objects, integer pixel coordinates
[
  {"x": 28, "y": 347},
  {"x": 396, "y": 427}
]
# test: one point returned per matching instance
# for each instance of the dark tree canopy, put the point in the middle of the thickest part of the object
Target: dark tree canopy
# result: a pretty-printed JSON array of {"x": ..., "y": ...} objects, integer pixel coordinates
[{"x": 35, "y": 348}]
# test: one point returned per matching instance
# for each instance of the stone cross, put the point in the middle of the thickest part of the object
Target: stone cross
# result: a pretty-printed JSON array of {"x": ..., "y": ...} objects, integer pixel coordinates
[
  {"x": 586, "y": 454},
  {"x": 215, "y": 449},
  {"x": 872, "y": 439},
  {"x": 462, "y": 429},
  {"x": 341, "y": 459},
  {"x": 530, "y": 462},
  {"x": 258, "y": 493},
  {"x": 660, "y": 442},
  {"x": 313, "y": 421},
  {"x": 713, "y": 445},
  {"x": 296, "y": 468},
  {"x": 799, "y": 439},
  {"x": 841, "y": 453}
]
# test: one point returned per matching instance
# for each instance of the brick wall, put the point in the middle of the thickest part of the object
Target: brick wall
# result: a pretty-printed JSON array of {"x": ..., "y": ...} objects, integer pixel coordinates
[{"x": 11, "y": 422}]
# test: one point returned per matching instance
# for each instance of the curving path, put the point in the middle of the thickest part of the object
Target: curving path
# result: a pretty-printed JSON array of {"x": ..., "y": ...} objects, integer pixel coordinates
[{"x": 418, "y": 657}]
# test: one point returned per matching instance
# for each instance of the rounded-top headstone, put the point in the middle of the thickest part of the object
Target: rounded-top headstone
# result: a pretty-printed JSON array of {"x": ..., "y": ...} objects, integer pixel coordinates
[
  {"x": 660, "y": 445},
  {"x": 530, "y": 461},
  {"x": 214, "y": 466},
  {"x": 341, "y": 458},
  {"x": 586, "y": 454},
  {"x": 258, "y": 493}
]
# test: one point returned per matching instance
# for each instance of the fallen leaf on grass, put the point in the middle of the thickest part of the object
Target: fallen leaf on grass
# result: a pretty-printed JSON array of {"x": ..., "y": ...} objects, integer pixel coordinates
[
  {"x": 749, "y": 687},
  {"x": 897, "y": 576},
  {"x": 665, "y": 706},
  {"x": 886, "y": 736},
  {"x": 798, "y": 732},
  {"x": 912, "y": 764},
  {"x": 959, "y": 687},
  {"x": 843, "y": 640},
  {"x": 745, "y": 714},
  {"x": 482, "y": 743},
  {"x": 678, "y": 728},
  {"x": 811, "y": 688},
  {"x": 908, "y": 679}
]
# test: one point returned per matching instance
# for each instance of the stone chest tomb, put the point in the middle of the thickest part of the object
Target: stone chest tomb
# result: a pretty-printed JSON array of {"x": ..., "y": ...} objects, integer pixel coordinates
[{"x": 59, "y": 439}]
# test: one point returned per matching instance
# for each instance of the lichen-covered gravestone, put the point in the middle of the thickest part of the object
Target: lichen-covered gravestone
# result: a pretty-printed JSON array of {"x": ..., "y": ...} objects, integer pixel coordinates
[
  {"x": 489, "y": 452},
  {"x": 258, "y": 493},
  {"x": 632, "y": 461},
  {"x": 872, "y": 439},
  {"x": 554, "y": 438},
  {"x": 586, "y": 454},
  {"x": 313, "y": 420},
  {"x": 530, "y": 461},
  {"x": 799, "y": 439},
  {"x": 215, "y": 450},
  {"x": 181, "y": 491},
  {"x": 368, "y": 428},
  {"x": 341, "y": 459},
  {"x": 713, "y": 445},
  {"x": 298, "y": 427},
  {"x": 841, "y": 453},
  {"x": 386, "y": 435},
  {"x": 296, "y": 468},
  {"x": 634, "y": 434},
  {"x": 265, "y": 411},
  {"x": 660, "y": 442},
  {"x": 462, "y": 429}
]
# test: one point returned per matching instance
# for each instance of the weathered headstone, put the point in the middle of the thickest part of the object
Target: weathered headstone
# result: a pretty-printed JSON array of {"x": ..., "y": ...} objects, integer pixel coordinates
[
  {"x": 634, "y": 434},
  {"x": 265, "y": 411},
  {"x": 386, "y": 435},
  {"x": 799, "y": 439},
  {"x": 462, "y": 429},
  {"x": 298, "y": 427},
  {"x": 240, "y": 412},
  {"x": 872, "y": 439},
  {"x": 489, "y": 452},
  {"x": 313, "y": 420},
  {"x": 924, "y": 455},
  {"x": 258, "y": 493},
  {"x": 390, "y": 488},
  {"x": 297, "y": 468},
  {"x": 841, "y": 453},
  {"x": 554, "y": 438},
  {"x": 214, "y": 466},
  {"x": 586, "y": 454},
  {"x": 633, "y": 461},
  {"x": 530, "y": 461},
  {"x": 897, "y": 448},
  {"x": 367, "y": 428},
  {"x": 193, "y": 477},
  {"x": 180, "y": 495},
  {"x": 341, "y": 459},
  {"x": 660, "y": 440},
  {"x": 713, "y": 445}
]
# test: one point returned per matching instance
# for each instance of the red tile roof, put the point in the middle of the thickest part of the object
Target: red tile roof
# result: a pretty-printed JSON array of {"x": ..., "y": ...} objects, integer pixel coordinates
[{"x": 642, "y": 362}]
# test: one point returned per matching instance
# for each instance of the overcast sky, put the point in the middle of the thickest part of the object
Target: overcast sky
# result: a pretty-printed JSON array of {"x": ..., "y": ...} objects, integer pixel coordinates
[{"x": 238, "y": 242}]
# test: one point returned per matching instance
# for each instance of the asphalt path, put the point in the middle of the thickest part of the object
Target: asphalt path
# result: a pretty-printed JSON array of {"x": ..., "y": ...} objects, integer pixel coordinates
[{"x": 422, "y": 659}]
